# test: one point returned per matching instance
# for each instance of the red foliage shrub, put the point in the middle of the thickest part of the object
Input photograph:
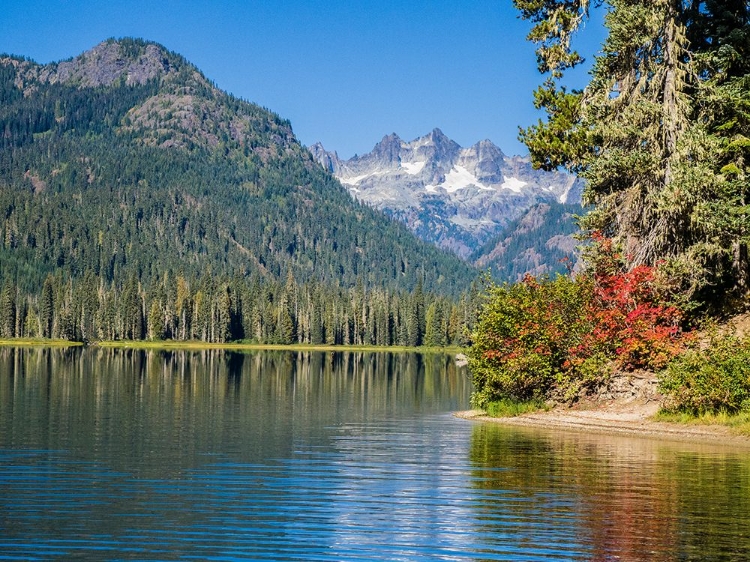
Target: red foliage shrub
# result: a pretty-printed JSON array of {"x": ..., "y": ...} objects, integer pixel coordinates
[
  {"x": 630, "y": 318},
  {"x": 561, "y": 336}
]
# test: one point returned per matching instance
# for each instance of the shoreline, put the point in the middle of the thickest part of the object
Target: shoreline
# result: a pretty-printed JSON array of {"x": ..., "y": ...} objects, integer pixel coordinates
[
  {"x": 170, "y": 345},
  {"x": 230, "y": 346},
  {"x": 39, "y": 342},
  {"x": 614, "y": 419}
]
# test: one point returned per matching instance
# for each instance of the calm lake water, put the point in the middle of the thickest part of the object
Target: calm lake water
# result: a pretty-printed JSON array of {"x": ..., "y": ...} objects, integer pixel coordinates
[{"x": 116, "y": 454}]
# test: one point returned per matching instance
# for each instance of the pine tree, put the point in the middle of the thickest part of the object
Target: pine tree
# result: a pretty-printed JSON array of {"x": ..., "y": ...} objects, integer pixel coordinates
[
  {"x": 155, "y": 322},
  {"x": 47, "y": 307},
  {"x": 660, "y": 133},
  {"x": 434, "y": 325},
  {"x": 8, "y": 311}
]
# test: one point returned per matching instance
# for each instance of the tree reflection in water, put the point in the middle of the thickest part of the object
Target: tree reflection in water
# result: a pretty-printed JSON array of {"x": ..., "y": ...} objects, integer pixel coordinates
[{"x": 629, "y": 499}]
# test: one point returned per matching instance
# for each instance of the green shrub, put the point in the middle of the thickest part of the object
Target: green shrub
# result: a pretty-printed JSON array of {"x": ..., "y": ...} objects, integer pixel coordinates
[
  {"x": 711, "y": 378},
  {"x": 523, "y": 336},
  {"x": 510, "y": 408},
  {"x": 541, "y": 339}
]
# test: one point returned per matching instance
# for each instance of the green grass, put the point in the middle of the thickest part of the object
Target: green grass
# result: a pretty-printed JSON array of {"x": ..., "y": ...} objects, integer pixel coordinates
[
  {"x": 511, "y": 408},
  {"x": 240, "y": 346},
  {"x": 737, "y": 422},
  {"x": 40, "y": 342}
]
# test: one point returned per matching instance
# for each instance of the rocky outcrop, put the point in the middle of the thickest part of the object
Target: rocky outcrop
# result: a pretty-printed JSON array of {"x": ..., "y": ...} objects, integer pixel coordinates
[
  {"x": 128, "y": 60},
  {"x": 455, "y": 197}
]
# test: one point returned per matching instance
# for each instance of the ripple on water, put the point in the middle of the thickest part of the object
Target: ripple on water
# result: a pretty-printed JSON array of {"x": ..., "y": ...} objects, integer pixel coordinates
[{"x": 134, "y": 464}]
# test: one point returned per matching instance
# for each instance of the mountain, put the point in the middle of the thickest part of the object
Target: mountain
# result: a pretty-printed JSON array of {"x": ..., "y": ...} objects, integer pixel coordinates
[
  {"x": 139, "y": 200},
  {"x": 126, "y": 161},
  {"x": 457, "y": 198},
  {"x": 540, "y": 242}
]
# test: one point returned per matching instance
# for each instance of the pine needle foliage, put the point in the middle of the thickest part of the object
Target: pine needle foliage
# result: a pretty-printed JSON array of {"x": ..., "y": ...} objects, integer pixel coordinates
[{"x": 661, "y": 133}]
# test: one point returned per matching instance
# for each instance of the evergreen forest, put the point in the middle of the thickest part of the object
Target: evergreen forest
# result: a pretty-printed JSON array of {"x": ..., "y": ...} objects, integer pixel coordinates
[{"x": 137, "y": 200}]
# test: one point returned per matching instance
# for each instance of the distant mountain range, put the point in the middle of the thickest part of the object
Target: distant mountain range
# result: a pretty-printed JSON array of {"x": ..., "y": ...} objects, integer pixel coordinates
[
  {"x": 126, "y": 162},
  {"x": 458, "y": 198}
]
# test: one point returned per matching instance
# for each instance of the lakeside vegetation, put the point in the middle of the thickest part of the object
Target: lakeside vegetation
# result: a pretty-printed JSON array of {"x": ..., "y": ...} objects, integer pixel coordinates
[
  {"x": 229, "y": 346},
  {"x": 738, "y": 422},
  {"x": 38, "y": 342},
  {"x": 661, "y": 134}
]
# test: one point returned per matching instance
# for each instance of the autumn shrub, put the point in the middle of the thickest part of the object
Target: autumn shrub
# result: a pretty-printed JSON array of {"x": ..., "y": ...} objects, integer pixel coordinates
[
  {"x": 523, "y": 336},
  {"x": 630, "y": 311},
  {"x": 543, "y": 338},
  {"x": 709, "y": 378}
]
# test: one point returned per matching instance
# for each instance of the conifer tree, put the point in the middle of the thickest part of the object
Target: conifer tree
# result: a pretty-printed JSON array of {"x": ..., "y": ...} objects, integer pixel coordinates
[
  {"x": 8, "y": 311},
  {"x": 155, "y": 322},
  {"x": 660, "y": 133},
  {"x": 46, "y": 307}
]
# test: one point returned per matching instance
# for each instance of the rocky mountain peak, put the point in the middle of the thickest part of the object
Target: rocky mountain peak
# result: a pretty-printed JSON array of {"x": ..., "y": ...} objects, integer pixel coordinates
[
  {"x": 444, "y": 148},
  {"x": 453, "y": 196},
  {"x": 436, "y": 135},
  {"x": 486, "y": 149},
  {"x": 329, "y": 160},
  {"x": 133, "y": 61},
  {"x": 388, "y": 150}
]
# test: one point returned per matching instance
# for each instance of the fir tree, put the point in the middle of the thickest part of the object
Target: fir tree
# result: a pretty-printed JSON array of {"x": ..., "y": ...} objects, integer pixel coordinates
[{"x": 660, "y": 133}]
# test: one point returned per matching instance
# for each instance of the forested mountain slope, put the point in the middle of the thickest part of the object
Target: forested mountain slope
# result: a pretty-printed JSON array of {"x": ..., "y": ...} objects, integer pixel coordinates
[
  {"x": 127, "y": 160},
  {"x": 541, "y": 242},
  {"x": 126, "y": 167}
]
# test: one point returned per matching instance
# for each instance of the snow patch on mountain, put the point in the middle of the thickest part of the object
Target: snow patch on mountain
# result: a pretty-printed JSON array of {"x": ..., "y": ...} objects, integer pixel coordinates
[
  {"x": 514, "y": 184},
  {"x": 413, "y": 168},
  {"x": 455, "y": 197},
  {"x": 458, "y": 178},
  {"x": 355, "y": 180}
]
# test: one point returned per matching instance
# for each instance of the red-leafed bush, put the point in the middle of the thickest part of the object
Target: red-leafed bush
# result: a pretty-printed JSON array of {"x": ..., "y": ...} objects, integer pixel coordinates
[
  {"x": 632, "y": 322},
  {"x": 542, "y": 337}
]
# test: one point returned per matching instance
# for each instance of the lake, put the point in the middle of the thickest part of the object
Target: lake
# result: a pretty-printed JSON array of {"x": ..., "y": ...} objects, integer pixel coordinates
[{"x": 125, "y": 454}]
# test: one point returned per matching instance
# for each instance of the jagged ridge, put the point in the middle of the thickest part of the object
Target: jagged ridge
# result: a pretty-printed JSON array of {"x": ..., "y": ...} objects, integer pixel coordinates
[{"x": 455, "y": 197}]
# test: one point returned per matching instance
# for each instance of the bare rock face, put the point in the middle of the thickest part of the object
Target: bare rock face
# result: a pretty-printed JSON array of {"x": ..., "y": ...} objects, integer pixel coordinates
[
  {"x": 111, "y": 61},
  {"x": 329, "y": 160},
  {"x": 132, "y": 61},
  {"x": 457, "y": 198}
]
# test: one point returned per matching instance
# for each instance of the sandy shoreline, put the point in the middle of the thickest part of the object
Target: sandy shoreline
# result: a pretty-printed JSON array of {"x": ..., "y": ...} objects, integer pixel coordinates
[{"x": 613, "y": 419}]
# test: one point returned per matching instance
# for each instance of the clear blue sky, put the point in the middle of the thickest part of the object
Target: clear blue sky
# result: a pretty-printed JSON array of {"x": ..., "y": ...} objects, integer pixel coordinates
[{"x": 344, "y": 72}]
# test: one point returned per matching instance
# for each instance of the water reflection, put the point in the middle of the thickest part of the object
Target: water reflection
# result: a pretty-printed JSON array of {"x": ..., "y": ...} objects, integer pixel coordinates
[
  {"x": 199, "y": 401},
  {"x": 620, "y": 498},
  {"x": 121, "y": 454}
]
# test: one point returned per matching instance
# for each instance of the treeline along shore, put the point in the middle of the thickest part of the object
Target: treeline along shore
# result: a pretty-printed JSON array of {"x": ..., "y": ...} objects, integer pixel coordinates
[{"x": 213, "y": 310}]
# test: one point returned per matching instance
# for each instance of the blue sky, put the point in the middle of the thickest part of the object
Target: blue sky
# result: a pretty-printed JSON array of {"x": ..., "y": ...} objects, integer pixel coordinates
[{"x": 344, "y": 72}]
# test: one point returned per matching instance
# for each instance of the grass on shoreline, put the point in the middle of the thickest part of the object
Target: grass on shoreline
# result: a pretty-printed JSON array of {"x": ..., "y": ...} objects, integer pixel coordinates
[
  {"x": 511, "y": 408},
  {"x": 38, "y": 342},
  {"x": 738, "y": 423},
  {"x": 231, "y": 346}
]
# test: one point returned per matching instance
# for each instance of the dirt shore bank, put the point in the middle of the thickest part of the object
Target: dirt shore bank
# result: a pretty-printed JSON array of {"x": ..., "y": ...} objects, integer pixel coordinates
[{"x": 615, "y": 418}]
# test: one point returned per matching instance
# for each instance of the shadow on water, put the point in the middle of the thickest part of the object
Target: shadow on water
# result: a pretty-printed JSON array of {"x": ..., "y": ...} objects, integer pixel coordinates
[{"x": 620, "y": 498}]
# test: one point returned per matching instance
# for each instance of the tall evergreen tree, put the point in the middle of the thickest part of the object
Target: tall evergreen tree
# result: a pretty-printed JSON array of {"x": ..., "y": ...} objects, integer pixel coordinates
[
  {"x": 8, "y": 311},
  {"x": 660, "y": 133},
  {"x": 47, "y": 307}
]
